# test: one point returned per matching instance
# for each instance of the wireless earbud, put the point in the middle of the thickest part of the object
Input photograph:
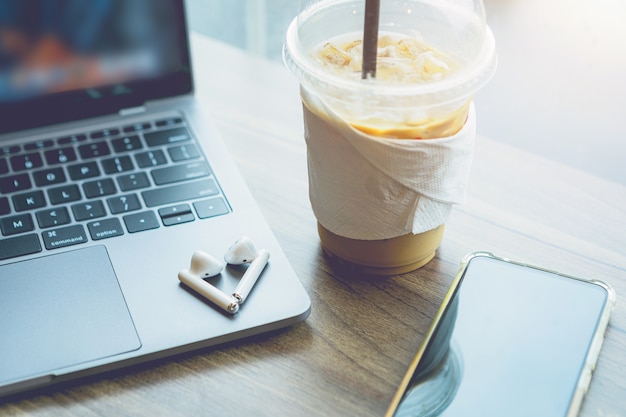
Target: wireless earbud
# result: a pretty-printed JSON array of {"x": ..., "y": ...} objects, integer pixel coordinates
[
  {"x": 208, "y": 291},
  {"x": 204, "y": 265},
  {"x": 241, "y": 252}
]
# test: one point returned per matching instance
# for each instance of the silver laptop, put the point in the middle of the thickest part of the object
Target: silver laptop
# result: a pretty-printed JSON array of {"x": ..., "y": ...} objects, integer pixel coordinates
[{"x": 110, "y": 178}]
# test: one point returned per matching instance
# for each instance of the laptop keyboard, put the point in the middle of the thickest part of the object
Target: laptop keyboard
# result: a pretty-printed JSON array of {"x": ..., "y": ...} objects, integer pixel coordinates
[{"x": 103, "y": 184}]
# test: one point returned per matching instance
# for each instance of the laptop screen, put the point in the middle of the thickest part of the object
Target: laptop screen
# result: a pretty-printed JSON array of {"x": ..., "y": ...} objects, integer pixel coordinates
[{"x": 63, "y": 60}]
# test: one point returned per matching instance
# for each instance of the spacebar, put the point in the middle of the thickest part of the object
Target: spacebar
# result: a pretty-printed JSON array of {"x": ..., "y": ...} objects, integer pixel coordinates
[
  {"x": 180, "y": 192},
  {"x": 18, "y": 246}
]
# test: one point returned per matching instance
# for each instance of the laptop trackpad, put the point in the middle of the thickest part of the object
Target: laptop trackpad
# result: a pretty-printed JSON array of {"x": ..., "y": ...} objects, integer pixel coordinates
[{"x": 61, "y": 310}]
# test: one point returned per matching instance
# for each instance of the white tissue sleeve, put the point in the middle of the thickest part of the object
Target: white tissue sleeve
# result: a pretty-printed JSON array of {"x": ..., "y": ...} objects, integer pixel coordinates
[{"x": 369, "y": 188}]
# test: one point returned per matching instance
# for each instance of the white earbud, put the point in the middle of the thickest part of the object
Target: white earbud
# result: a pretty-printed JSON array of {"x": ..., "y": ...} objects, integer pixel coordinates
[
  {"x": 241, "y": 252},
  {"x": 204, "y": 265},
  {"x": 208, "y": 291}
]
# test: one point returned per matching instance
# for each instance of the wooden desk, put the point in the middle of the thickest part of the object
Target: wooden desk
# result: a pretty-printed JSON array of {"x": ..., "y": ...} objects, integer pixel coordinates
[{"x": 349, "y": 356}]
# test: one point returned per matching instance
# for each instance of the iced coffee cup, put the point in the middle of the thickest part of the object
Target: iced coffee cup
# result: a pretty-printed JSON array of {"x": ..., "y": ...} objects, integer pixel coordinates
[{"x": 388, "y": 155}]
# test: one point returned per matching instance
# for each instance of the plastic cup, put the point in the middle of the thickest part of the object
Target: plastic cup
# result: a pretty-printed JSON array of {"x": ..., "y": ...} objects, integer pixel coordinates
[{"x": 428, "y": 109}]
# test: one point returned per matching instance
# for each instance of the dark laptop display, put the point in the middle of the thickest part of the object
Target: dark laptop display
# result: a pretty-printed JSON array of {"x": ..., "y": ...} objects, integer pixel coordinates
[{"x": 62, "y": 60}]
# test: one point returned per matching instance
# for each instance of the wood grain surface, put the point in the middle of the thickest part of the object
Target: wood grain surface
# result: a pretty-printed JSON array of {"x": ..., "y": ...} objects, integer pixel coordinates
[{"x": 349, "y": 356}]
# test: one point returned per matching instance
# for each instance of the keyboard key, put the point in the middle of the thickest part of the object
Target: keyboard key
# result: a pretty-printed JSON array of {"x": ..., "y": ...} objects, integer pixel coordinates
[
  {"x": 40, "y": 144},
  {"x": 137, "y": 127},
  {"x": 170, "y": 121},
  {"x": 150, "y": 159},
  {"x": 9, "y": 150},
  {"x": 60, "y": 156},
  {"x": 174, "y": 210},
  {"x": 123, "y": 203},
  {"x": 117, "y": 165},
  {"x": 4, "y": 206},
  {"x": 181, "y": 192},
  {"x": 183, "y": 218},
  {"x": 139, "y": 222},
  {"x": 52, "y": 217},
  {"x": 28, "y": 201},
  {"x": 76, "y": 138},
  {"x": 14, "y": 183},
  {"x": 19, "y": 246},
  {"x": 104, "y": 133},
  {"x": 178, "y": 214},
  {"x": 16, "y": 224},
  {"x": 26, "y": 161},
  {"x": 105, "y": 228},
  {"x": 183, "y": 152},
  {"x": 49, "y": 176},
  {"x": 134, "y": 181},
  {"x": 83, "y": 171},
  {"x": 64, "y": 236},
  {"x": 93, "y": 150},
  {"x": 167, "y": 137},
  {"x": 127, "y": 143},
  {"x": 89, "y": 210},
  {"x": 99, "y": 188},
  {"x": 4, "y": 167},
  {"x": 181, "y": 172},
  {"x": 211, "y": 207},
  {"x": 64, "y": 194}
]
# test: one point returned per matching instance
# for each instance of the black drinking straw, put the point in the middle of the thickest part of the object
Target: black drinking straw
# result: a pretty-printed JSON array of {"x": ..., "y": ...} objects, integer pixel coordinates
[{"x": 370, "y": 39}]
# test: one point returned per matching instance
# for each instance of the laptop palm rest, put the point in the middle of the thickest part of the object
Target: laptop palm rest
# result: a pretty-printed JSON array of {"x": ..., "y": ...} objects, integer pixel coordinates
[{"x": 59, "y": 311}]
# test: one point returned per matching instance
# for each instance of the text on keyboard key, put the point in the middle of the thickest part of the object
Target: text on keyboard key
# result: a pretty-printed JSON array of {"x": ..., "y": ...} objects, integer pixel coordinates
[
  {"x": 89, "y": 210},
  {"x": 150, "y": 158},
  {"x": 14, "y": 183},
  {"x": 28, "y": 201},
  {"x": 60, "y": 156},
  {"x": 105, "y": 228},
  {"x": 52, "y": 217},
  {"x": 133, "y": 181},
  {"x": 180, "y": 172},
  {"x": 178, "y": 214},
  {"x": 64, "y": 194},
  {"x": 13, "y": 225},
  {"x": 127, "y": 143},
  {"x": 99, "y": 188},
  {"x": 49, "y": 176},
  {"x": 166, "y": 137},
  {"x": 181, "y": 192},
  {"x": 27, "y": 161},
  {"x": 211, "y": 207},
  {"x": 84, "y": 170},
  {"x": 123, "y": 203},
  {"x": 64, "y": 236},
  {"x": 183, "y": 152},
  {"x": 117, "y": 164},
  {"x": 139, "y": 222}
]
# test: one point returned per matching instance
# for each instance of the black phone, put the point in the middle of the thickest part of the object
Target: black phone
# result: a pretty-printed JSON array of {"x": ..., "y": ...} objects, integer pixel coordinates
[{"x": 510, "y": 340}]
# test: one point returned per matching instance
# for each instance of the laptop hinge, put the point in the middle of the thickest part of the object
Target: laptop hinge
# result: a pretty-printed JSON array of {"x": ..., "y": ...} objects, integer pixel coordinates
[{"x": 132, "y": 110}]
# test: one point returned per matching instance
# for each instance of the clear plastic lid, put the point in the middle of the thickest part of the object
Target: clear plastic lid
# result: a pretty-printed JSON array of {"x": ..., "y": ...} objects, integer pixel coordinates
[{"x": 455, "y": 29}]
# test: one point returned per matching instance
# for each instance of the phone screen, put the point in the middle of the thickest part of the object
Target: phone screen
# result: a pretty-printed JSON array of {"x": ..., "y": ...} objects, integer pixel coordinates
[{"x": 509, "y": 340}]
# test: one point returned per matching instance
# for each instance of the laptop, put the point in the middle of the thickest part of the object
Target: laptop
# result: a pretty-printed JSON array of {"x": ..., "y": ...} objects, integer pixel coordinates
[{"x": 111, "y": 176}]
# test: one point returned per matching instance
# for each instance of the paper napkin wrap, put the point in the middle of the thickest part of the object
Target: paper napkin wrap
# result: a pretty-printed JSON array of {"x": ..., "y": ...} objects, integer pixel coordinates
[{"x": 370, "y": 188}]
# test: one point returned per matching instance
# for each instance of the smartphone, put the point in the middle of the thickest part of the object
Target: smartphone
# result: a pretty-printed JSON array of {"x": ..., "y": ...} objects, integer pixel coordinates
[{"x": 509, "y": 339}]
